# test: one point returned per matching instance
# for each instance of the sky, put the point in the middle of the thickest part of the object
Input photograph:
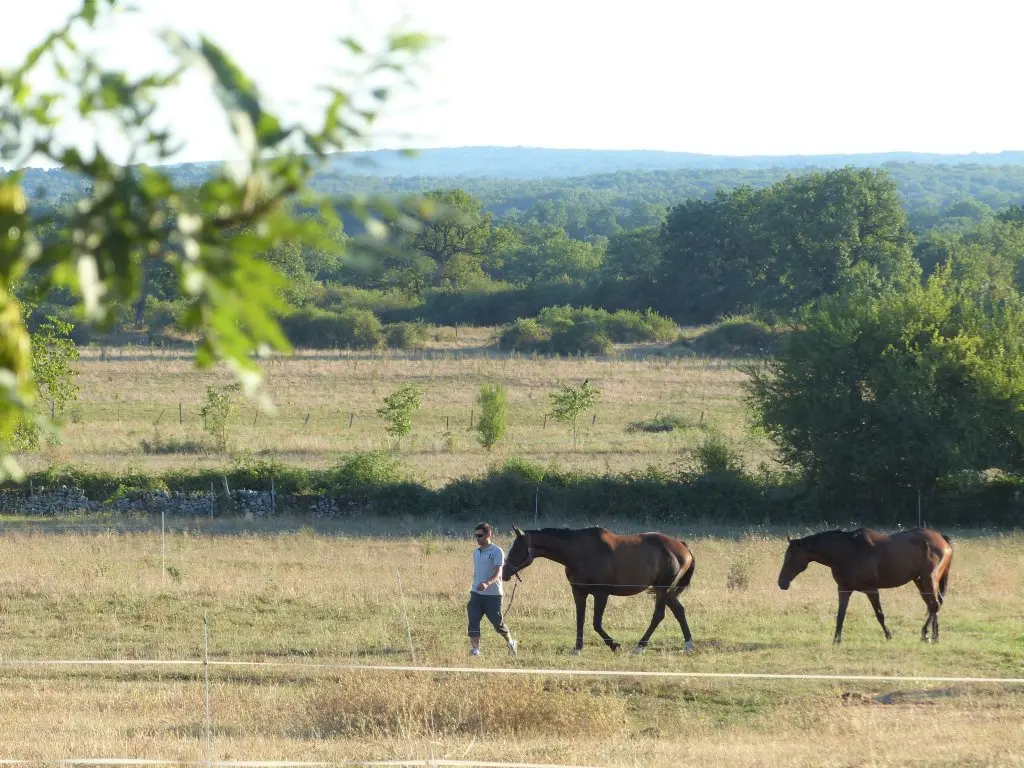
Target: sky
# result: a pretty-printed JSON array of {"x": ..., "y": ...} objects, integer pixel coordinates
[{"x": 717, "y": 77}]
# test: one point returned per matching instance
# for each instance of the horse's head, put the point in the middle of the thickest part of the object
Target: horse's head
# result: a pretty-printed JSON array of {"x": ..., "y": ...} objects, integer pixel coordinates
[
  {"x": 520, "y": 555},
  {"x": 796, "y": 561}
]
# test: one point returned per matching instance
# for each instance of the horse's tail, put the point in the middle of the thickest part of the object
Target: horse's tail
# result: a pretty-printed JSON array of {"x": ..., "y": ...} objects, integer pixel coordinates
[
  {"x": 944, "y": 580},
  {"x": 685, "y": 574}
]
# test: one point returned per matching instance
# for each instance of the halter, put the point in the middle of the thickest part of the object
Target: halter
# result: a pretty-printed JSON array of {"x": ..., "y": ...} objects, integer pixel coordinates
[
  {"x": 529, "y": 558},
  {"x": 519, "y": 579}
]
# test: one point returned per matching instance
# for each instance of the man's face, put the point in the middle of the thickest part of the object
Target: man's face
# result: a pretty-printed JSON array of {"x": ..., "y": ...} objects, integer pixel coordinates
[{"x": 482, "y": 539}]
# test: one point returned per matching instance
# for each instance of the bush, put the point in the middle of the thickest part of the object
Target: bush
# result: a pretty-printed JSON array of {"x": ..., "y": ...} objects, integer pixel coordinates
[
  {"x": 657, "y": 424},
  {"x": 364, "y": 470},
  {"x": 159, "y": 316},
  {"x": 524, "y": 335},
  {"x": 348, "y": 329},
  {"x": 221, "y": 404},
  {"x": 398, "y": 409},
  {"x": 565, "y": 330},
  {"x": 493, "y": 401},
  {"x": 713, "y": 456},
  {"x": 407, "y": 335},
  {"x": 736, "y": 337}
]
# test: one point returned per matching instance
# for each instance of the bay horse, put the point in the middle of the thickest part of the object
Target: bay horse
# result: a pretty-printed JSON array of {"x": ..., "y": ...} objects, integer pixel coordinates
[
  {"x": 601, "y": 563},
  {"x": 867, "y": 561}
]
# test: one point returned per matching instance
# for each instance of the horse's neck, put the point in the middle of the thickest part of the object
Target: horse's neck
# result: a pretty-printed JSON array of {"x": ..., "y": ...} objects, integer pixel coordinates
[
  {"x": 825, "y": 551},
  {"x": 550, "y": 547}
]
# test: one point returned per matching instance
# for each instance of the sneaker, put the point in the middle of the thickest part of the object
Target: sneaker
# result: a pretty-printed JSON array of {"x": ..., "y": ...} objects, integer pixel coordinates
[
  {"x": 474, "y": 651},
  {"x": 513, "y": 645}
]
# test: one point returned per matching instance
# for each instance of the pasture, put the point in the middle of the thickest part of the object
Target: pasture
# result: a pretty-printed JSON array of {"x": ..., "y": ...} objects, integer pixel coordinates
[
  {"x": 294, "y": 596},
  {"x": 130, "y": 398},
  {"x": 297, "y": 596}
]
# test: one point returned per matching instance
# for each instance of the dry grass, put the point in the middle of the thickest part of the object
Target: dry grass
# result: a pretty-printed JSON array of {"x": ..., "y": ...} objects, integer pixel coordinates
[
  {"x": 332, "y": 596},
  {"x": 132, "y": 396}
]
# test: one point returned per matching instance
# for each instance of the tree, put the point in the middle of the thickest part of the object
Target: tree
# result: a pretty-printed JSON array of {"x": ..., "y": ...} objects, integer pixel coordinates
[
  {"x": 398, "y": 409},
  {"x": 548, "y": 253},
  {"x": 53, "y": 354},
  {"x": 137, "y": 216},
  {"x": 569, "y": 403},
  {"x": 221, "y": 404},
  {"x": 634, "y": 255},
  {"x": 493, "y": 401},
  {"x": 877, "y": 397},
  {"x": 459, "y": 240},
  {"x": 778, "y": 249}
]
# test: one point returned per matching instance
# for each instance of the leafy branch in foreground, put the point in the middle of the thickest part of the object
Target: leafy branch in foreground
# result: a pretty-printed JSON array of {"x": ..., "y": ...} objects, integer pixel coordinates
[{"x": 137, "y": 218}]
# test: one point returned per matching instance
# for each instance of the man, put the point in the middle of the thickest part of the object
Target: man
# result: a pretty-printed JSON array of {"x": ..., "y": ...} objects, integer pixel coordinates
[{"x": 485, "y": 594}]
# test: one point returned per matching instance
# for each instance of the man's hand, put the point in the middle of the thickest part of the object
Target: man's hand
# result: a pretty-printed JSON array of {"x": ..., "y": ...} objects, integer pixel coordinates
[{"x": 482, "y": 586}]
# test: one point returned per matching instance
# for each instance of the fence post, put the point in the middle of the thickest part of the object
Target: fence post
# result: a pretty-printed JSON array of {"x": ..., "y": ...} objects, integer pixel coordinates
[
  {"x": 181, "y": 414},
  {"x": 206, "y": 688},
  {"x": 408, "y": 627},
  {"x": 273, "y": 498},
  {"x": 163, "y": 544},
  {"x": 351, "y": 418}
]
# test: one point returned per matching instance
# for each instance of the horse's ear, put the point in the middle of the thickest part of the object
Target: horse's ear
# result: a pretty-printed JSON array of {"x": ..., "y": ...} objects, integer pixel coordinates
[
  {"x": 516, "y": 531},
  {"x": 789, "y": 540}
]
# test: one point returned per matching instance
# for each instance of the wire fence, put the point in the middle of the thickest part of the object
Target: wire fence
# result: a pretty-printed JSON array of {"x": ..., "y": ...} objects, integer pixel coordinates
[{"x": 426, "y": 762}]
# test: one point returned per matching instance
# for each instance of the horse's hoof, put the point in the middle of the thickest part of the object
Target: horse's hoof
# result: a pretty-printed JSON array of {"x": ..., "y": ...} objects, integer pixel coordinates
[
  {"x": 639, "y": 650},
  {"x": 575, "y": 651},
  {"x": 688, "y": 647},
  {"x": 614, "y": 647}
]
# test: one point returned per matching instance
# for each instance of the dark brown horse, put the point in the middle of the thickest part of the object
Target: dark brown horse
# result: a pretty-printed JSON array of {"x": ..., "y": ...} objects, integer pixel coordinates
[
  {"x": 601, "y": 563},
  {"x": 867, "y": 561}
]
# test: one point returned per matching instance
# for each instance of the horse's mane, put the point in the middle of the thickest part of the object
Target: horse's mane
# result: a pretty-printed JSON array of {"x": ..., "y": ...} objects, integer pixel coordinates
[
  {"x": 834, "y": 533},
  {"x": 569, "y": 533}
]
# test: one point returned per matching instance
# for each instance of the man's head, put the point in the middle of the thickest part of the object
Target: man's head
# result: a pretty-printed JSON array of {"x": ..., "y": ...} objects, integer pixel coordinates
[{"x": 482, "y": 533}]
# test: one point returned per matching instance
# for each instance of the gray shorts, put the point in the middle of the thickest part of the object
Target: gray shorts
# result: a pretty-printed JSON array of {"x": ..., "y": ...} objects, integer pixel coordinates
[{"x": 484, "y": 605}]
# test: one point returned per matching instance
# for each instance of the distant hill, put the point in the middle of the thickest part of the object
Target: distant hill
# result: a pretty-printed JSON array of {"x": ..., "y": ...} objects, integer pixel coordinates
[
  {"x": 540, "y": 163},
  {"x": 517, "y": 177}
]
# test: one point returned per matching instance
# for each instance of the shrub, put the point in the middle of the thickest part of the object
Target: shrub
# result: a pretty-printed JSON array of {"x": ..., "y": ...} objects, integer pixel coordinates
[
  {"x": 372, "y": 469},
  {"x": 735, "y": 337},
  {"x": 493, "y": 400},
  {"x": 221, "y": 404},
  {"x": 569, "y": 403},
  {"x": 524, "y": 335},
  {"x": 398, "y": 409},
  {"x": 565, "y": 330},
  {"x": 713, "y": 456},
  {"x": 517, "y": 465},
  {"x": 348, "y": 329},
  {"x": 159, "y": 316},
  {"x": 407, "y": 335},
  {"x": 657, "y": 424}
]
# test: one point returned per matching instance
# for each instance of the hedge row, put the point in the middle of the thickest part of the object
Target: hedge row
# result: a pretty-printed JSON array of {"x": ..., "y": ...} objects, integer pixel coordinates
[{"x": 378, "y": 481}]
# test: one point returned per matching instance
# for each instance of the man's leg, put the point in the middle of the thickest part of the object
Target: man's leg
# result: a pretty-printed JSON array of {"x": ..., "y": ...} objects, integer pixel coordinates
[
  {"x": 493, "y": 608},
  {"x": 475, "y": 611}
]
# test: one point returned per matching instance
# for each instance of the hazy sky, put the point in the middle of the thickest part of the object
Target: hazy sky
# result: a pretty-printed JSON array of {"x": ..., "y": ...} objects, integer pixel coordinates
[{"x": 714, "y": 76}]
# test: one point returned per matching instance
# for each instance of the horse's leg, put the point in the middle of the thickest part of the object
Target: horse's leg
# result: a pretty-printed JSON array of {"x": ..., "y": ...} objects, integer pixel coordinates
[
  {"x": 600, "y": 601},
  {"x": 659, "y": 614},
  {"x": 844, "y": 600},
  {"x": 581, "y": 612},
  {"x": 680, "y": 613},
  {"x": 924, "y": 587},
  {"x": 876, "y": 603},
  {"x": 937, "y": 603}
]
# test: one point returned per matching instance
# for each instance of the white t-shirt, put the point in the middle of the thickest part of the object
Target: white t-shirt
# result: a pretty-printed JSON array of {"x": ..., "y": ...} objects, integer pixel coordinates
[{"x": 485, "y": 560}]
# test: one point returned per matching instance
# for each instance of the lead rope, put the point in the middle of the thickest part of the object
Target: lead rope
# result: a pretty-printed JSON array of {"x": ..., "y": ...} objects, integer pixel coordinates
[{"x": 512, "y": 598}]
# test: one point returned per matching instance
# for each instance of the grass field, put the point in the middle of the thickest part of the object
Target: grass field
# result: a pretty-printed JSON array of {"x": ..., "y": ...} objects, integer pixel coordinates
[
  {"x": 283, "y": 591},
  {"x": 300, "y": 592},
  {"x": 132, "y": 396}
]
